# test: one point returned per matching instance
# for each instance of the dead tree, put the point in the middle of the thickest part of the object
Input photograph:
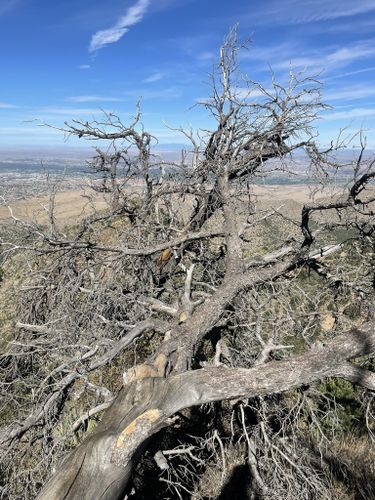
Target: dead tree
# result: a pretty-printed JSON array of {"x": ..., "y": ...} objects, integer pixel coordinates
[{"x": 184, "y": 304}]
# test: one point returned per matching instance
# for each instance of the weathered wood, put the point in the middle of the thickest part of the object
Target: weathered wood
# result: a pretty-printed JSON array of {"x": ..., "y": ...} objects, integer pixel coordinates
[
  {"x": 226, "y": 161},
  {"x": 101, "y": 466}
]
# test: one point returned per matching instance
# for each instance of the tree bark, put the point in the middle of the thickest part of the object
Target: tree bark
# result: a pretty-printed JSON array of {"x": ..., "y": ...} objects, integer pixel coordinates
[{"x": 101, "y": 466}]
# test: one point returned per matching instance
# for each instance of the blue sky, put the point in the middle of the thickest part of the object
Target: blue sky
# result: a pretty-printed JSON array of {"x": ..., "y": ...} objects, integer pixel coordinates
[{"x": 66, "y": 59}]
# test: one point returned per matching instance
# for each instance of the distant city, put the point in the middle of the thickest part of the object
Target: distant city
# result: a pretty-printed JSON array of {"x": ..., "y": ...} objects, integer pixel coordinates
[{"x": 24, "y": 173}]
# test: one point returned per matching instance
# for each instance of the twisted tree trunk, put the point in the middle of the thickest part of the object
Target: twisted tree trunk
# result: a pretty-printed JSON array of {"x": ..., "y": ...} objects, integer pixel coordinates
[{"x": 101, "y": 466}]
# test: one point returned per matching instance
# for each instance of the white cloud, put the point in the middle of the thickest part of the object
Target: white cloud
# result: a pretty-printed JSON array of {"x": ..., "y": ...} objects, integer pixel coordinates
[
  {"x": 366, "y": 25},
  {"x": 249, "y": 93},
  {"x": 272, "y": 53},
  {"x": 5, "y": 105},
  {"x": 165, "y": 135},
  {"x": 70, "y": 111},
  {"x": 111, "y": 35},
  {"x": 351, "y": 114},
  {"x": 84, "y": 66},
  {"x": 194, "y": 44},
  {"x": 167, "y": 93},
  {"x": 155, "y": 77},
  {"x": 28, "y": 130},
  {"x": 8, "y": 5},
  {"x": 206, "y": 55},
  {"x": 308, "y": 11},
  {"x": 94, "y": 98},
  {"x": 351, "y": 93},
  {"x": 336, "y": 58},
  {"x": 360, "y": 50},
  {"x": 350, "y": 73}
]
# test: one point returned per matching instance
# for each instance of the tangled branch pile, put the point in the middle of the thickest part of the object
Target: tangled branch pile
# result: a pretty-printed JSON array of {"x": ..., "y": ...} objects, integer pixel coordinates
[{"x": 193, "y": 340}]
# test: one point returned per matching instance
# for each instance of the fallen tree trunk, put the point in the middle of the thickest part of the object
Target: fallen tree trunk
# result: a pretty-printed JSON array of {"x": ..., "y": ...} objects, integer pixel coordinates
[{"x": 101, "y": 466}]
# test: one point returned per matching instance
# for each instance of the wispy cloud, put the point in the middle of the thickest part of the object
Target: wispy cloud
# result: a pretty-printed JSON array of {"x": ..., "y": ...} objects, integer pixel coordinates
[
  {"x": 194, "y": 44},
  {"x": 167, "y": 93},
  {"x": 356, "y": 51},
  {"x": 351, "y": 114},
  {"x": 155, "y": 77},
  {"x": 352, "y": 93},
  {"x": 308, "y": 11},
  {"x": 93, "y": 98},
  {"x": 249, "y": 94},
  {"x": 5, "y": 105},
  {"x": 8, "y": 5},
  {"x": 84, "y": 66},
  {"x": 206, "y": 55},
  {"x": 271, "y": 53},
  {"x": 111, "y": 35},
  {"x": 161, "y": 5},
  {"x": 350, "y": 73},
  {"x": 336, "y": 57},
  {"x": 28, "y": 130},
  {"x": 70, "y": 111},
  {"x": 165, "y": 135},
  {"x": 363, "y": 25}
]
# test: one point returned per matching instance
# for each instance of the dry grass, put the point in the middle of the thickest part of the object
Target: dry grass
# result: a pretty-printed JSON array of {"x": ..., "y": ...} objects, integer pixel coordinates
[
  {"x": 70, "y": 205},
  {"x": 74, "y": 203},
  {"x": 352, "y": 461}
]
